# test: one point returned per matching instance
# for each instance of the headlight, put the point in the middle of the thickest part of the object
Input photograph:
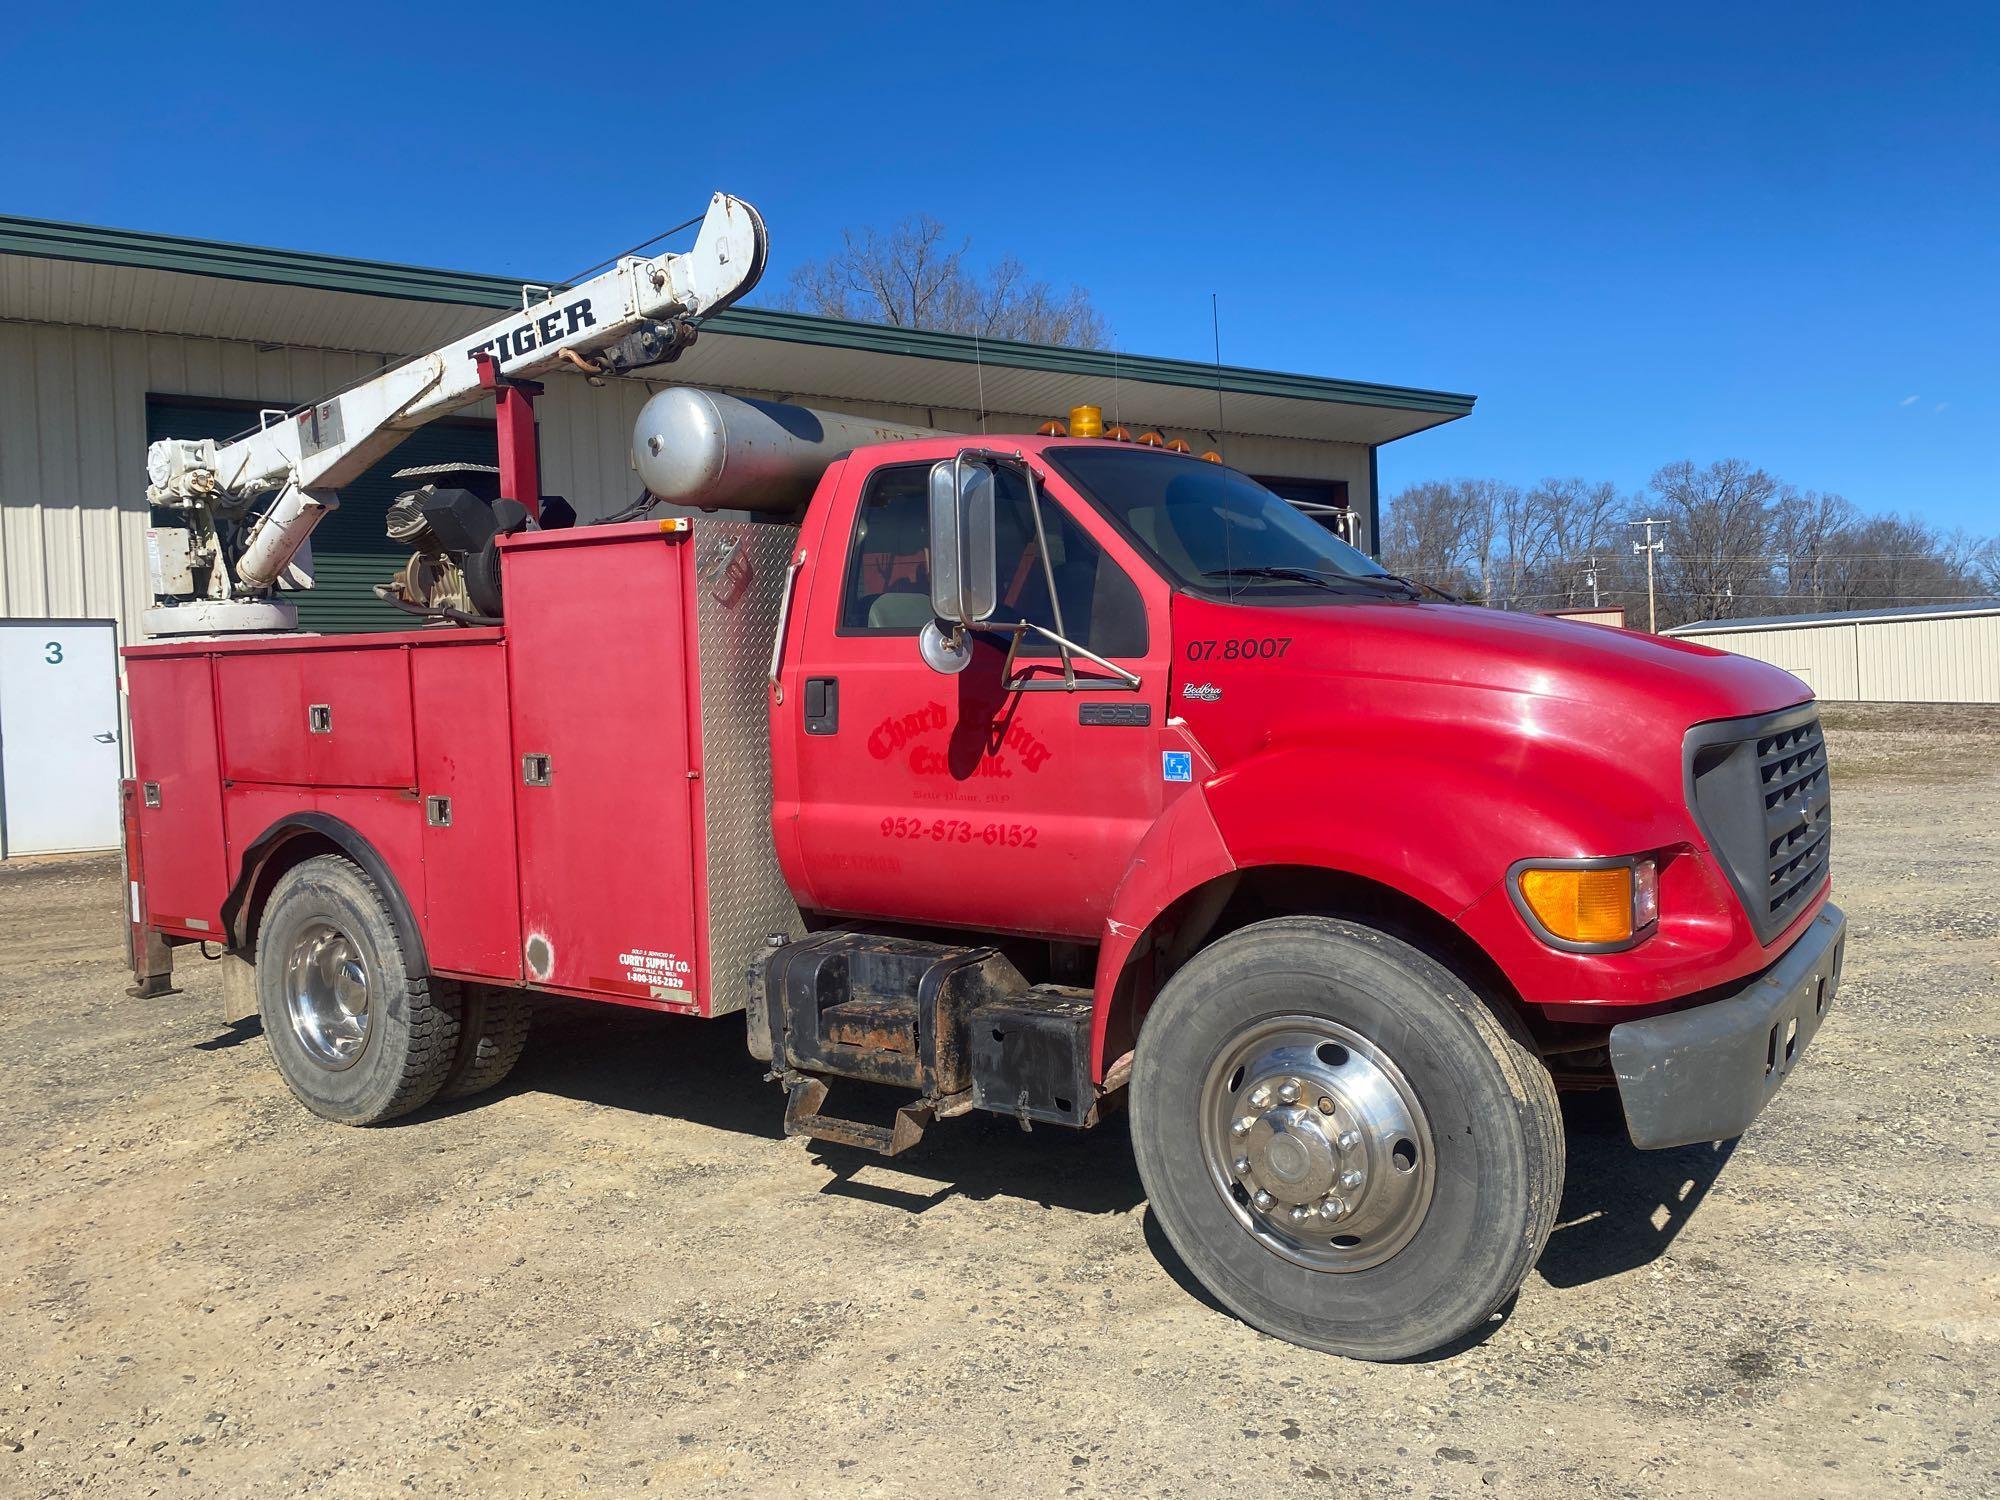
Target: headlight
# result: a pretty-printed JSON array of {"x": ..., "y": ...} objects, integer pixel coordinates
[{"x": 1588, "y": 905}]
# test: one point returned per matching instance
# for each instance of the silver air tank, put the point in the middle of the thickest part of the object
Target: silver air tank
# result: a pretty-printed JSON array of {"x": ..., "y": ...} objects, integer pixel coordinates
[{"x": 709, "y": 451}]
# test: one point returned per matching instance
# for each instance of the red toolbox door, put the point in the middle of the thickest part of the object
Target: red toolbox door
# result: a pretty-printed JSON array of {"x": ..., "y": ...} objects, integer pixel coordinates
[
  {"x": 597, "y": 662},
  {"x": 466, "y": 774}
]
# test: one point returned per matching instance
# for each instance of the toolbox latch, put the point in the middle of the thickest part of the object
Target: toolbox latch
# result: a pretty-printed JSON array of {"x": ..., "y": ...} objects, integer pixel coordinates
[{"x": 535, "y": 770}]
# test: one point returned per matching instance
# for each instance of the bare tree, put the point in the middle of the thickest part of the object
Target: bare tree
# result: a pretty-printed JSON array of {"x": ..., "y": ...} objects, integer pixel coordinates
[
  {"x": 1806, "y": 531},
  {"x": 1426, "y": 534},
  {"x": 1740, "y": 542},
  {"x": 1717, "y": 561},
  {"x": 1584, "y": 528},
  {"x": 915, "y": 277},
  {"x": 1982, "y": 565}
]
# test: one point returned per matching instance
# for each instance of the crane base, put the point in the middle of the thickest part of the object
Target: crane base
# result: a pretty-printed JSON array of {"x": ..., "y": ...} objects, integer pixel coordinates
[{"x": 220, "y": 617}]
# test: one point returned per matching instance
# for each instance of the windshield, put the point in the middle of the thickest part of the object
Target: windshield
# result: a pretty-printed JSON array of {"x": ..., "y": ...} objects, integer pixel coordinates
[{"x": 1220, "y": 532}]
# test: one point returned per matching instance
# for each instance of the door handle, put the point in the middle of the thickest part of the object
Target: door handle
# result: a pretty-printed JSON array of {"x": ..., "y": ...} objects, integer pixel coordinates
[
  {"x": 822, "y": 705},
  {"x": 105, "y": 739}
]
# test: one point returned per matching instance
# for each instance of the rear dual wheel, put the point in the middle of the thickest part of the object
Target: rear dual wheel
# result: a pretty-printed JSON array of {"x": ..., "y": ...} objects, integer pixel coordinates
[
  {"x": 1346, "y": 1145},
  {"x": 356, "y": 1036}
]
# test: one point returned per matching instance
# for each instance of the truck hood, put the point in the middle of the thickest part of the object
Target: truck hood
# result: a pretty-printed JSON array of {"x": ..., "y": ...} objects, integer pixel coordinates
[
  {"x": 1451, "y": 661},
  {"x": 1548, "y": 658},
  {"x": 1467, "y": 727}
]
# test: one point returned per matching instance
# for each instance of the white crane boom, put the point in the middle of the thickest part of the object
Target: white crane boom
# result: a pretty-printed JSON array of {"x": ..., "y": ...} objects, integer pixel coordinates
[{"x": 640, "y": 312}]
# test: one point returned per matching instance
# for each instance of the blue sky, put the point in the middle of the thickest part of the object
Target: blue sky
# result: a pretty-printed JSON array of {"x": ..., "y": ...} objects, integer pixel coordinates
[{"x": 1638, "y": 234}]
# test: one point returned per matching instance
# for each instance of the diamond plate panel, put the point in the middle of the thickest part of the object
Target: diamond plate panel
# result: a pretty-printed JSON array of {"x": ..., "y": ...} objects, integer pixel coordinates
[{"x": 740, "y": 579}]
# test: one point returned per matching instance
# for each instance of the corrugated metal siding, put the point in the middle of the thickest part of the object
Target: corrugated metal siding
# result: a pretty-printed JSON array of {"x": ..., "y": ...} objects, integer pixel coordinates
[
  {"x": 1931, "y": 661},
  {"x": 73, "y": 511},
  {"x": 1953, "y": 660}
]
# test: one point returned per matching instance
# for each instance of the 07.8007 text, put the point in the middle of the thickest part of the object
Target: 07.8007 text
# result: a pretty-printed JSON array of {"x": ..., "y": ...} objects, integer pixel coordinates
[{"x": 1264, "y": 648}]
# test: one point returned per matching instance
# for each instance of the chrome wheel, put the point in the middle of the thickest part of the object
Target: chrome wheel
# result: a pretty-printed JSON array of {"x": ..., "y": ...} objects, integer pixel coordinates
[
  {"x": 326, "y": 996},
  {"x": 1317, "y": 1142}
]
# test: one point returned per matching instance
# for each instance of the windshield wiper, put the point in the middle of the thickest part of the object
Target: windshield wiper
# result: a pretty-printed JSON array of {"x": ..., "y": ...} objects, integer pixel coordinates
[
  {"x": 1288, "y": 574},
  {"x": 1444, "y": 594},
  {"x": 1337, "y": 582}
]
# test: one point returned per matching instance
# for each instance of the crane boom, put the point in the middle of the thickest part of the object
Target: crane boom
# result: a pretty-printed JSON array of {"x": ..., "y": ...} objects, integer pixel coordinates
[{"x": 642, "y": 311}]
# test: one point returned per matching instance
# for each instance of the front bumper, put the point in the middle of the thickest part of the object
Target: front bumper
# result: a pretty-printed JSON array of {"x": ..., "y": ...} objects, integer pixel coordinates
[{"x": 1705, "y": 1073}]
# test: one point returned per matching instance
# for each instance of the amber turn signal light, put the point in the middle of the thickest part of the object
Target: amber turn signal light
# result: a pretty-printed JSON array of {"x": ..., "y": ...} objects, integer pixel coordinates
[{"x": 1581, "y": 906}]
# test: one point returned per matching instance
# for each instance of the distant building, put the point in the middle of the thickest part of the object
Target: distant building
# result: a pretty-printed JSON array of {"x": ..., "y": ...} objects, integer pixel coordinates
[
  {"x": 1941, "y": 653},
  {"x": 1610, "y": 615}
]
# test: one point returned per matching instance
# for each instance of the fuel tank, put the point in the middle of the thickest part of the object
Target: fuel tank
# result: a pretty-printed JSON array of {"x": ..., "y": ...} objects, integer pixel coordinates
[{"x": 712, "y": 452}]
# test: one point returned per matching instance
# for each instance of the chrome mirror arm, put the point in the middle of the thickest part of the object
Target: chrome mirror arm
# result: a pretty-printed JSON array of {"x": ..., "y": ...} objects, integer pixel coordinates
[{"x": 1020, "y": 628}]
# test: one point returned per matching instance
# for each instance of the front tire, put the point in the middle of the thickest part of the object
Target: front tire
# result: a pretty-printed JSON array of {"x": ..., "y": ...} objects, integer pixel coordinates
[
  {"x": 356, "y": 1037},
  {"x": 1346, "y": 1145}
]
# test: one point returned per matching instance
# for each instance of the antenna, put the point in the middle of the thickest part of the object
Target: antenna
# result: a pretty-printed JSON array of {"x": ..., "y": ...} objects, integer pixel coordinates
[
  {"x": 1215, "y": 325},
  {"x": 979, "y": 366}
]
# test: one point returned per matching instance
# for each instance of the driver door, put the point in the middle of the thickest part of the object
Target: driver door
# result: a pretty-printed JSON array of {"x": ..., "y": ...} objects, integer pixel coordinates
[{"x": 946, "y": 798}]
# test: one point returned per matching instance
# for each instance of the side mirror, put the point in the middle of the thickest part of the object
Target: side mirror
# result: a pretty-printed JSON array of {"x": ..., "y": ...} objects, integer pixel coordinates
[
  {"x": 964, "y": 582},
  {"x": 944, "y": 653}
]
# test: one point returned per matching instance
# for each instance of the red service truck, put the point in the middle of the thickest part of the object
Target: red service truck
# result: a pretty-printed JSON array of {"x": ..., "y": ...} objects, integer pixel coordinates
[{"x": 1044, "y": 775}]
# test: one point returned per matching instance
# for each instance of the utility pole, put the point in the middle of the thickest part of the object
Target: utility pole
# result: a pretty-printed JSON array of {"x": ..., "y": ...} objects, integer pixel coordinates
[
  {"x": 1650, "y": 547},
  {"x": 1590, "y": 577}
]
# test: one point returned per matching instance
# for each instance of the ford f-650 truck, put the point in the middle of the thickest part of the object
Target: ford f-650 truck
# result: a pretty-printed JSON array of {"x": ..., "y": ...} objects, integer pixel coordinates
[{"x": 1041, "y": 775}]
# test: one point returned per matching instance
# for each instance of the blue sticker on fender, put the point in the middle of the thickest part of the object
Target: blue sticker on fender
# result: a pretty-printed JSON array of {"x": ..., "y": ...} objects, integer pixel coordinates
[{"x": 1176, "y": 765}]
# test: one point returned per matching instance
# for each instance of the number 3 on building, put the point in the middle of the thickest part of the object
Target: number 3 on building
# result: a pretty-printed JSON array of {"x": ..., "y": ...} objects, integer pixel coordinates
[{"x": 52, "y": 654}]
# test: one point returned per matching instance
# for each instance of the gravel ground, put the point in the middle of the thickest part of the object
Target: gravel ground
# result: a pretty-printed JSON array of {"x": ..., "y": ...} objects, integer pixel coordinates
[{"x": 616, "y": 1275}]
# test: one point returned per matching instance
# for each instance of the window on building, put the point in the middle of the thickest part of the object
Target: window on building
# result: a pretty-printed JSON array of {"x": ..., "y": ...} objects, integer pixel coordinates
[
  {"x": 1323, "y": 500},
  {"x": 351, "y": 550}
]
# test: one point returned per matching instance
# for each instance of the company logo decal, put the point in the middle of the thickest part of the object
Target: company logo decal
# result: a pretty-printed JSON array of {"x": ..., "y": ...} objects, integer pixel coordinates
[
  {"x": 900, "y": 734},
  {"x": 559, "y": 323},
  {"x": 1202, "y": 692}
]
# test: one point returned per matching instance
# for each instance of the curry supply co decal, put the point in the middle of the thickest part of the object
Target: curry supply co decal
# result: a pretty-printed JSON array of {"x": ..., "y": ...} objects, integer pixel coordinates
[
  {"x": 656, "y": 970},
  {"x": 906, "y": 735}
]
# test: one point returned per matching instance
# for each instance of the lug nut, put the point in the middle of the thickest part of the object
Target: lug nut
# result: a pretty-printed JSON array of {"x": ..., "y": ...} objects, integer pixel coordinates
[
  {"x": 1350, "y": 1179},
  {"x": 1349, "y": 1139},
  {"x": 1325, "y": 1105},
  {"x": 1331, "y": 1208},
  {"x": 1289, "y": 1091},
  {"x": 1243, "y": 1125},
  {"x": 1263, "y": 1199},
  {"x": 1260, "y": 1096},
  {"x": 1241, "y": 1166},
  {"x": 1300, "y": 1214}
]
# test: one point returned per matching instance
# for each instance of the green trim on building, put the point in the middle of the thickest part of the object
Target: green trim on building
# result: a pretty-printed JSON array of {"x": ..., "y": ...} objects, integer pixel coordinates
[
  {"x": 300, "y": 268},
  {"x": 371, "y": 278}
]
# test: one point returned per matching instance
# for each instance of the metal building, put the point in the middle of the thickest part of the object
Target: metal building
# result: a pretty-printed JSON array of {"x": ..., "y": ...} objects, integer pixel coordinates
[
  {"x": 1946, "y": 653},
  {"x": 1610, "y": 614},
  {"x": 110, "y": 338}
]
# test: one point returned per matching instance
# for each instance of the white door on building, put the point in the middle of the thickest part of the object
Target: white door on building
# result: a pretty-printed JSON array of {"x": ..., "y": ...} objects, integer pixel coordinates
[{"x": 59, "y": 757}]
